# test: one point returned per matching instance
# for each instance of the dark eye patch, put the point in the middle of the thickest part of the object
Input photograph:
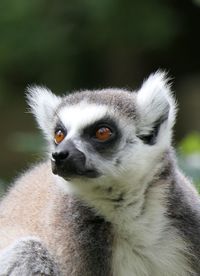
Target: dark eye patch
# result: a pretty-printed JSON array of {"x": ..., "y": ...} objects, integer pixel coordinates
[{"x": 89, "y": 134}]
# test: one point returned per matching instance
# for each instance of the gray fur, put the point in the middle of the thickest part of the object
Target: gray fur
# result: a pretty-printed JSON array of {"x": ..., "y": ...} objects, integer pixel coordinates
[
  {"x": 121, "y": 100},
  {"x": 92, "y": 241},
  {"x": 184, "y": 214},
  {"x": 27, "y": 258}
]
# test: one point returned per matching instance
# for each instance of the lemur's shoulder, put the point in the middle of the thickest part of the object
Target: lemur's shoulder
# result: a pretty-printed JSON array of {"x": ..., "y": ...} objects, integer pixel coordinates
[
  {"x": 37, "y": 205},
  {"x": 33, "y": 183},
  {"x": 24, "y": 205}
]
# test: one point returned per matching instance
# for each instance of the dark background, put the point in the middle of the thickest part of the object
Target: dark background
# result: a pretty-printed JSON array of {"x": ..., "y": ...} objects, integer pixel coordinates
[{"x": 86, "y": 44}]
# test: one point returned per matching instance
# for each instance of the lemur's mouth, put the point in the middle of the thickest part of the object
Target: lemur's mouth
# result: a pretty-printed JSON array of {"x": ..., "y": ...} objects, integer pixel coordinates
[{"x": 70, "y": 171}]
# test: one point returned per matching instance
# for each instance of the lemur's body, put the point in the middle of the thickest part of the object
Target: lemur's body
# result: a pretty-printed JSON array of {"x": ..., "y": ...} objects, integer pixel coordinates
[{"x": 119, "y": 206}]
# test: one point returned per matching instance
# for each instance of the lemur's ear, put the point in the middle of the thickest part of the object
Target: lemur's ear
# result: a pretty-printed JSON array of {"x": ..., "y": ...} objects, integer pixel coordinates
[
  {"x": 156, "y": 106},
  {"x": 43, "y": 104}
]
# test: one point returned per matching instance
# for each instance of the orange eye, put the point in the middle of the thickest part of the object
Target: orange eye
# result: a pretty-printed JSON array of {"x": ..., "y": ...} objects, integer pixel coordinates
[
  {"x": 103, "y": 134},
  {"x": 59, "y": 136}
]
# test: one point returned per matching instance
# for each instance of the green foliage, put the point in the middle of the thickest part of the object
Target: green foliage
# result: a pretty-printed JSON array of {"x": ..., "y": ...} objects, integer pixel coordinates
[
  {"x": 197, "y": 184},
  {"x": 191, "y": 144},
  {"x": 2, "y": 187},
  {"x": 26, "y": 142},
  {"x": 189, "y": 157},
  {"x": 197, "y": 2},
  {"x": 55, "y": 42}
]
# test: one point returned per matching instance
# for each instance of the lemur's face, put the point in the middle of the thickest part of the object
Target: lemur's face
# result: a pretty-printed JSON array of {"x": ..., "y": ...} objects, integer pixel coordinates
[
  {"x": 107, "y": 133},
  {"x": 89, "y": 140}
]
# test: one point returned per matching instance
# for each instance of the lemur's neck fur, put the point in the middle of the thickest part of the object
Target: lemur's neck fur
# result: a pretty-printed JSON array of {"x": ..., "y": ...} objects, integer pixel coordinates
[{"x": 123, "y": 201}]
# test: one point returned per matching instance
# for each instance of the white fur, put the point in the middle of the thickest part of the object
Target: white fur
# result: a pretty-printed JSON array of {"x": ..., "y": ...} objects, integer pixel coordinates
[
  {"x": 141, "y": 248},
  {"x": 153, "y": 99},
  {"x": 43, "y": 105}
]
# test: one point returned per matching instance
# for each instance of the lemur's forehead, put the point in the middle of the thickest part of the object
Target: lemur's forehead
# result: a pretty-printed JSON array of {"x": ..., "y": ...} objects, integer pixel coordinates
[
  {"x": 78, "y": 116},
  {"x": 119, "y": 100}
]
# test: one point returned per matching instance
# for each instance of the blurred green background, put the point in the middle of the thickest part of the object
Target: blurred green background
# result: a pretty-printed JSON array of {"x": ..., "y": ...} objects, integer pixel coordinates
[{"x": 86, "y": 44}]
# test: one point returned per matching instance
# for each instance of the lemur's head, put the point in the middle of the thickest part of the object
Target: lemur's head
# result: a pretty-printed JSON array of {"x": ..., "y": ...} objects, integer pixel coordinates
[{"x": 106, "y": 133}]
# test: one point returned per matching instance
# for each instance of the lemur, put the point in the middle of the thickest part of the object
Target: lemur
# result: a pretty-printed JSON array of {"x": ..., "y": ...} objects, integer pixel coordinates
[{"x": 109, "y": 199}]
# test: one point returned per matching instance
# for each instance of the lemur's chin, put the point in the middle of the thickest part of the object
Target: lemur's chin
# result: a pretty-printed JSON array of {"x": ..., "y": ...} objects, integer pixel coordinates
[{"x": 69, "y": 174}]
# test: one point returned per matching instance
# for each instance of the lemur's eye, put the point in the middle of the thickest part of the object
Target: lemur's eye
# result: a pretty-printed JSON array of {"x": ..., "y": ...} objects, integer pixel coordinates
[
  {"x": 103, "y": 134},
  {"x": 59, "y": 136}
]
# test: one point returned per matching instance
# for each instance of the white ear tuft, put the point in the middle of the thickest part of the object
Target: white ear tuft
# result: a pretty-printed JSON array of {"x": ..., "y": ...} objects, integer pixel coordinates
[
  {"x": 156, "y": 103},
  {"x": 43, "y": 104}
]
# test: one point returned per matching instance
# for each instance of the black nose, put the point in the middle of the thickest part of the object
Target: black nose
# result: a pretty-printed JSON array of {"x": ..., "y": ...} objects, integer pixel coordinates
[
  {"x": 60, "y": 156},
  {"x": 68, "y": 161}
]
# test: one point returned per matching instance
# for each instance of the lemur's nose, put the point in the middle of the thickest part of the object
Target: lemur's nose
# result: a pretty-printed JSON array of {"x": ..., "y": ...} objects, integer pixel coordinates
[
  {"x": 60, "y": 156},
  {"x": 68, "y": 161}
]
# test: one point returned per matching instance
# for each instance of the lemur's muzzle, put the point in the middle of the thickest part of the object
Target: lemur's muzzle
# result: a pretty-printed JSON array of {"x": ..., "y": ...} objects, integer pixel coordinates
[{"x": 69, "y": 161}]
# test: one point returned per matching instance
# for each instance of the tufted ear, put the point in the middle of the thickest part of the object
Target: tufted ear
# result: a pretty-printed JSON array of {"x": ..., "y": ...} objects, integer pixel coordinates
[
  {"x": 156, "y": 106},
  {"x": 43, "y": 104}
]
